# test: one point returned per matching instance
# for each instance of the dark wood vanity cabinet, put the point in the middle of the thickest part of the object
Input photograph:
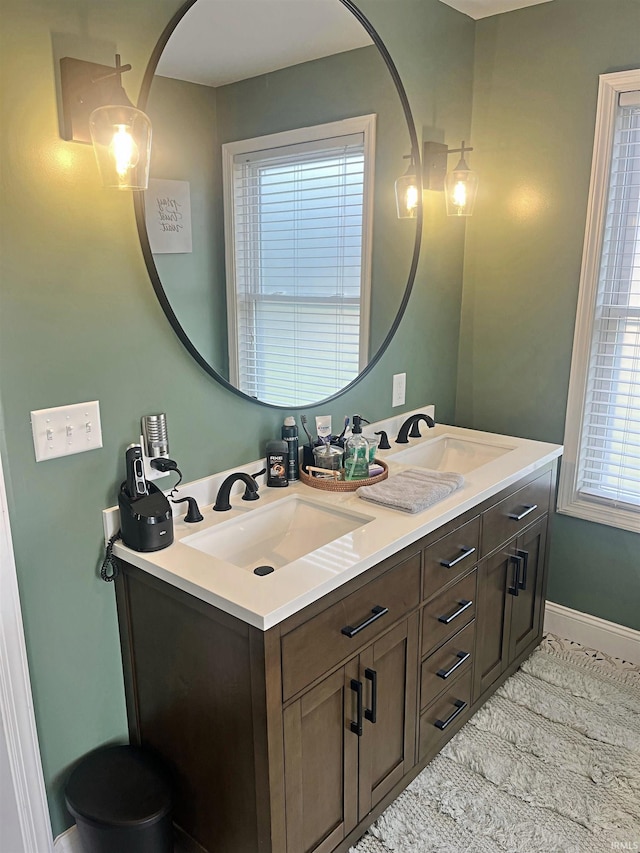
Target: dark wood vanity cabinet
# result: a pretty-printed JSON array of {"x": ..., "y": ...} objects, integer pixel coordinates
[
  {"x": 511, "y": 581},
  {"x": 295, "y": 739},
  {"x": 349, "y": 740}
]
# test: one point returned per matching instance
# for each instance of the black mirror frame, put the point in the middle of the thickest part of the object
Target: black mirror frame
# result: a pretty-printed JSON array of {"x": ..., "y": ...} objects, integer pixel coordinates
[{"x": 139, "y": 207}]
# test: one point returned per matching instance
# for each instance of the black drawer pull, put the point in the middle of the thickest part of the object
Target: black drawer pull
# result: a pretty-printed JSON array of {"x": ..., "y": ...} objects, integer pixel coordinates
[
  {"x": 524, "y": 555},
  {"x": 462, "y": 657},
  {"x": 356, "y": 727},
  {"x": 522, "y": 515},
  {"x": 517, "y": 561},
  {"x": 447, "y": 619},
  {"x": 465, "y": 552},
  {"x": 371, "y": 713},
  {"x": 376, "y": 613},
  {"x": 460, "y": 707}
]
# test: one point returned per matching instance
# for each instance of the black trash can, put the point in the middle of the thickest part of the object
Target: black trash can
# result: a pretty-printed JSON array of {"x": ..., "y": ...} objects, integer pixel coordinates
[{"x": 121, "y": 799}]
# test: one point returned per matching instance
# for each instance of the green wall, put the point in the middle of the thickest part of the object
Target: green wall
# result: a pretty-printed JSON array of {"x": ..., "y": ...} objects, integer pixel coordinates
[
  {"x": 79, "y": 321},
  {"x": 193, "y": 281},
  {"x": 535, "y": 88}
]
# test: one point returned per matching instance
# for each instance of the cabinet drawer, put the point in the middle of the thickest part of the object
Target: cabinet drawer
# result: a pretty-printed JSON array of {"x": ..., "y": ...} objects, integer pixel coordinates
[
  {"x": 444, "y": 715},
  {"x": 451, "y": 557},
  {"x": 446, "y": 664},
  {"x": 319, "y": 644},
  {"x": 511, "y": 515},
  {"x": 450, "y": 611}
]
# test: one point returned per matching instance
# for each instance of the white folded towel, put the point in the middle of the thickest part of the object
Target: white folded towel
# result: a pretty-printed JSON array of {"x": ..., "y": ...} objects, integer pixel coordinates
[{"x": 412, "y": 490}]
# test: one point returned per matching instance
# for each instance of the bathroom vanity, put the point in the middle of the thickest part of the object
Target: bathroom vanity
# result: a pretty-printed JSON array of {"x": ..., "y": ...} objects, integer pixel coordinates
[{"x": 291, "y": 725}]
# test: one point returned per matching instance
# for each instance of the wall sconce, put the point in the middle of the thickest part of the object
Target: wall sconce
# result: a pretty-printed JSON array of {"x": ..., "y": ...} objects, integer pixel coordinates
[
  {"x": 407, "y": 191},
  {"x": 460, "y": 186},
  {"x": 95, "y": 108}
]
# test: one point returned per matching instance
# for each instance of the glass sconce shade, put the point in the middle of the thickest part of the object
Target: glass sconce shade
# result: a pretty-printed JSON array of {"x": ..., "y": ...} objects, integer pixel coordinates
[
  {"x": 407, "y": 195},
  {"x": 121, "y": 137},
  {"x": 460, "y": 190},
  {"x": 95, "y": 108}
]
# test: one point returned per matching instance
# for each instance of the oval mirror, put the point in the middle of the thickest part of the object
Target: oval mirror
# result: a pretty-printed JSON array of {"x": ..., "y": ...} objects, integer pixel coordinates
[{"x": 269, "y": 228}]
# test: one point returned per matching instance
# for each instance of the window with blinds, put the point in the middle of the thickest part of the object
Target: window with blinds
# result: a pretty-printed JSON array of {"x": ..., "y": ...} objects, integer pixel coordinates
[
  {"x": 601, "y": 471},
  {"x": 298, "y": 229}
]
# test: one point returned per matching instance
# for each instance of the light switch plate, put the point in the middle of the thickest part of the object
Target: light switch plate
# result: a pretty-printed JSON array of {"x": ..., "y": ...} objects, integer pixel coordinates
[
  {"x": 399, "y": 389},
  {"x": 65, "y": 430}
]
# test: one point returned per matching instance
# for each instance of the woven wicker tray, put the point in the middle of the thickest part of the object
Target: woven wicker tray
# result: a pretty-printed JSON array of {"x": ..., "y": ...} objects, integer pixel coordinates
[{"x": 343, "y": 485}]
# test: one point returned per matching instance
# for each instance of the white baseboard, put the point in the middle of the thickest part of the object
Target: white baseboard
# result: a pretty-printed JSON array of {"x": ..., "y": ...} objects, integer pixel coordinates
[{"x": 615, "y": 640}]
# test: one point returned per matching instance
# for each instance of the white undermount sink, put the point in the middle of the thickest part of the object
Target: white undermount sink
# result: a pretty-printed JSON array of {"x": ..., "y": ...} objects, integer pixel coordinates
[
  {"x": 451, "y": 453},
  {"x": 277, "y": 534}
]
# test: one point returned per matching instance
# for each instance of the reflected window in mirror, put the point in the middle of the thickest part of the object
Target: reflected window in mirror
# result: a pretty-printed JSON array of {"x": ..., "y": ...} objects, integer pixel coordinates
[{"x": 298, "y": 223}]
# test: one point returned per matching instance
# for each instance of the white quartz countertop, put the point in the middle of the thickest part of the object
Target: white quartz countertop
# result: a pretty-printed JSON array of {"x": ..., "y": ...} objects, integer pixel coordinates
[{"x": 264, "y": 601}]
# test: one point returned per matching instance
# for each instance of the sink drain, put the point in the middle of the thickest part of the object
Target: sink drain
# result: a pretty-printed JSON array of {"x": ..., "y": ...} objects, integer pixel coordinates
[{"x": 263, "y": 570}]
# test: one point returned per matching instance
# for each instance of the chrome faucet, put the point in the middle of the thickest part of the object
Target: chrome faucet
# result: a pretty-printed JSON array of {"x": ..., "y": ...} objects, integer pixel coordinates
[
  {"x": 411, "y": 423},
  {"x": 250, "y": 489}
]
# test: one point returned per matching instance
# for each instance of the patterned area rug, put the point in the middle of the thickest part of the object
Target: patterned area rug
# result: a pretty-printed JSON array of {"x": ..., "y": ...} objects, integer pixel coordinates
[{"x": 551, "y": 764}]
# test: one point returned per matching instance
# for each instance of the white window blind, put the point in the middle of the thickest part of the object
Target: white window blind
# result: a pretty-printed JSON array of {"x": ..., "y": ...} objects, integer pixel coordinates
[
  {"x": 606, "y": 468},
  {"x": 300, "y": 279}
]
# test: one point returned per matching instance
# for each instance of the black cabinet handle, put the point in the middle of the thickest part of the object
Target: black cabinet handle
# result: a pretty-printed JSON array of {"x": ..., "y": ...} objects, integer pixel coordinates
[
  {"x": 522, "y": 515},
  {"x": 460, "y": 707},
  {"x": 372, "y": 712},
  {"x": 462, "y": 657},
  {"x": 516, "y": 559},
  {"x": 356, "y": 727},
  {"x": 524, "y": 556},
  {"x": 376, "y": 613},
  {"x": 447, "y": 619},
  {"x": 465, "y": 552}
]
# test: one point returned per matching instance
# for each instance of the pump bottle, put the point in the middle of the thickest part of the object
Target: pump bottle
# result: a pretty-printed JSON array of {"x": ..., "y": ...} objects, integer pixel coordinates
[{"x": 356, "y": 453}]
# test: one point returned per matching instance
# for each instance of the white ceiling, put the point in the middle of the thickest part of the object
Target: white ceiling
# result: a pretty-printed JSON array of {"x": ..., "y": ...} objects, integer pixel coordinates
[
  {"x": 483, "y": 8},
  {"x": 223, "y": 41}
]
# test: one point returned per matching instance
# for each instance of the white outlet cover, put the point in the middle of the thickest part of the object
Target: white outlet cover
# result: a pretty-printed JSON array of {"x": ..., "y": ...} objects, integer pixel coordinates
[
  {"x": 399, "y": 389},
  {"x": 65, "y": 430}
]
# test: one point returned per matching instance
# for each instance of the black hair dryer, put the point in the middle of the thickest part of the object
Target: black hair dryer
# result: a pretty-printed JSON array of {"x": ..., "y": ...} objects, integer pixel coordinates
[{"x": 146, "y": 522}]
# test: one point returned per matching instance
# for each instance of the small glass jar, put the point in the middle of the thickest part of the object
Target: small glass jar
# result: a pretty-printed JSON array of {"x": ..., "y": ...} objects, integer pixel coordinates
[
  {"x": 328, "y": 457},
  {"x": 373, "y": 441}
]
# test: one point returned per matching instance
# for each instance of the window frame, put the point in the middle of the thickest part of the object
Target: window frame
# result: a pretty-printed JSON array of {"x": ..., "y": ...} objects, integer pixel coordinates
[
  {"x": 570, "y": 501},
  {"x": 364, "y": 124}
]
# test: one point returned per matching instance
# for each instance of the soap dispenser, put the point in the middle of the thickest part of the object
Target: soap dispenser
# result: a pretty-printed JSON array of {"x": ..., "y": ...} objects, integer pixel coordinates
[{"x": 356, "y": 453}]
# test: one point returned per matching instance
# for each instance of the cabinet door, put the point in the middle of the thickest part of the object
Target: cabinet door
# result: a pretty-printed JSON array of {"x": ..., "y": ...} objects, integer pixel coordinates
[
  {"x": 495, "y": 574},
  {"x": 389, "y": 673},
  {"x": 321, "y": 764},
  {"x": 526, "y": 606}
]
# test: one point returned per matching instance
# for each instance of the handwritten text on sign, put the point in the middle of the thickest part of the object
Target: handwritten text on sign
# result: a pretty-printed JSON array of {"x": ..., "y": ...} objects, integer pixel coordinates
[{"x": 168, "y": 215}]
